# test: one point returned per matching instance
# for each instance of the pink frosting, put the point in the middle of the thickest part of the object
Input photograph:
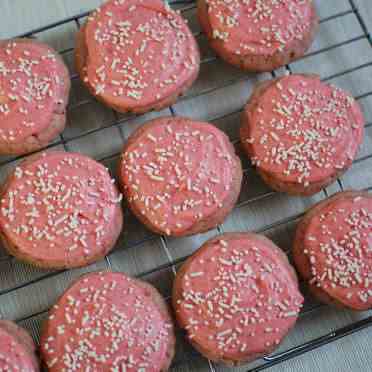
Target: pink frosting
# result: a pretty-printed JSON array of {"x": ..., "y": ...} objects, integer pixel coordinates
[
  {"x": 59, "y": 207},
  {"x": 13, "y": 355},
  {"x": 106, "y": 322},
  {"x": 303, "y": 130},
  {"x": 177, "y": 172},
  {"x": 30, "y": 88},
  {"x": 338, "y": 243},
  {"x": 238, "y": 297},
  {"x": 259, "y": 27},
  {"x": 138, "y": 51}
]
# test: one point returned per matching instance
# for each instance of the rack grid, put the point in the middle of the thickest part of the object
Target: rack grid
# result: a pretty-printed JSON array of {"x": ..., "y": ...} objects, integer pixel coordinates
[{"x": 33, "y": 319}]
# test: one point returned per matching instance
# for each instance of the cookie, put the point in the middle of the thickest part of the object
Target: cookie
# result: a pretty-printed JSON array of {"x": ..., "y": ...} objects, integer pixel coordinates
[
  {"x": 300, "y": 133},
  {"x": 237, "y": 297},
  {"x": 34, "y": 90},
  {"x": 180, "y": 177},
  {"x": 60, "y": 210},
  {"x": 108, "y": 322},
  {"x": 136, "y": 56},
  {"x": 17, "y": 349},
  {"x": 259, "y": 35},
  {"x": 332, "y": 250}
]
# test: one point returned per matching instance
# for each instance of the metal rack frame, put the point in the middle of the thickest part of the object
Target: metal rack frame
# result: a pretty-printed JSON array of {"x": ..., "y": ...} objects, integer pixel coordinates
[{"x": 275, "y": 358}]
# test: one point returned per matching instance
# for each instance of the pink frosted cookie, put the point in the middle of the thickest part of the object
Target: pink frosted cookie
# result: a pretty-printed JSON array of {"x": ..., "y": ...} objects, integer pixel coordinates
[
  {"x": 34, "y": 89},
  {"x": 17, "y": 349},
  {"x": 333, "y": 250},
  {"x": 180, "y": 177},
  {"x": 237, "y": 297},
  {"x": 136, "y": 55},
  {"x": 108, "y": 322},
  {"x": 60, "y": 210},
  {"x": 300, "y": 133},
  {"x": 259, "y": 35}
]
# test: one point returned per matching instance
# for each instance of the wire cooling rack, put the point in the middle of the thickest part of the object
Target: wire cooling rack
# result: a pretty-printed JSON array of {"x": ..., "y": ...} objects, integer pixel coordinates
[{"x": 31, "y": 283}]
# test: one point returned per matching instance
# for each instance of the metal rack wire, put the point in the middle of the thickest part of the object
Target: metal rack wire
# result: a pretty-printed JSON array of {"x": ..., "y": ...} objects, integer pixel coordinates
[{"x": 171, "y": 266}]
